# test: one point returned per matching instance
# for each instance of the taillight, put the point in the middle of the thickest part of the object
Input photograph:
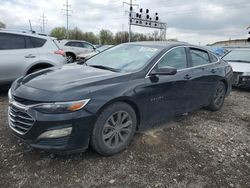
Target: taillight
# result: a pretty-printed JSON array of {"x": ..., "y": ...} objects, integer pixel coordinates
[{"x": 60, "y": 52}]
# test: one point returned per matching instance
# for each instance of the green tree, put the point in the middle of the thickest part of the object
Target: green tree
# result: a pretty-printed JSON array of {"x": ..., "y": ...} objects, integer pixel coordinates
[
  {"x": 121, "y": 37},
  {"x": 59, "y": 33},
  {"x": 90, "y": 37},
  {"x": 2, "y": 25},
  {"x": 106, "y": 37},
  {"x": 76, "y": 34}
]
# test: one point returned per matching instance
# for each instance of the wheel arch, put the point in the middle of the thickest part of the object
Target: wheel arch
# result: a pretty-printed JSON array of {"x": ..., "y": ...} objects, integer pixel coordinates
[
  {"x": 226, "y": 84},
  {"x": 128, "y": 101},
  {"x": 38, "y": 65}
]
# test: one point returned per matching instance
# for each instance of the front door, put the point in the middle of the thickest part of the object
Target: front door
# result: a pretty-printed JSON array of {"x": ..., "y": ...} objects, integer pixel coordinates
[{"x": 169, "y": 95}]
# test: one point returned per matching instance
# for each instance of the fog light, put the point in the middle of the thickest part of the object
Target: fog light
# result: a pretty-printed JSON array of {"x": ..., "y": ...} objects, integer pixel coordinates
[{"x": 56, "y": 133}]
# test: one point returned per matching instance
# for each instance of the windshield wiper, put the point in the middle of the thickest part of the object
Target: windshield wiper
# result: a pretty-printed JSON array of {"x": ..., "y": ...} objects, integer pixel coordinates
[
  {"x": 105, "y": 68},
  {"x": 241, "y": 61}
]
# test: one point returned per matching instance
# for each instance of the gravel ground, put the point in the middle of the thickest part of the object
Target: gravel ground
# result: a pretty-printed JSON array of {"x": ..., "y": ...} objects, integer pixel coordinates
[{"x": 202, "y": 149}]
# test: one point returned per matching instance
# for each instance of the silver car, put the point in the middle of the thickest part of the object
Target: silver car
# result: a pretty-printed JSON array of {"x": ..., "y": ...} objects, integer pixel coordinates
[
  {"x": 24, "y": 53},
  {"x": 73, "y": 48},
  {"x": 239, "y": 59}
]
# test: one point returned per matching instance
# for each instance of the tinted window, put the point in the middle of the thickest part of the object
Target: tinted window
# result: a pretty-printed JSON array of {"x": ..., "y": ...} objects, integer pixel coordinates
[
  {"x": 11, "y": 41},
  {"x": 74, "y": 44},
  {"x": 175, "y": 58},
  {"x": 37, "y": 42},
  {"x": 199, "y": 57},
  {"x": 68, "y": 44},
  {"x": 213, "y": 58}
]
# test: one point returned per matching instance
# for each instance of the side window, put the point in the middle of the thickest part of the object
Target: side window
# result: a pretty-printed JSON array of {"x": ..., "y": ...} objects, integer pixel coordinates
[
  {"x": 213, "y": 58},
  {"x": 11, "y": 41},
  {"x": 175, "y": 58},
  {"x": 68, "y": 44},
  {"x": 199, "y": 57},
  {"x": 77, "y": 44},
  {"x": 86, "y": 45},
  {"x": 37, "y": 42}
]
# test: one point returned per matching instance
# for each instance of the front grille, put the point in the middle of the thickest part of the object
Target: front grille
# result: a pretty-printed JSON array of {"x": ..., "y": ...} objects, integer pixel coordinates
[{"x": 20, "y": 121}]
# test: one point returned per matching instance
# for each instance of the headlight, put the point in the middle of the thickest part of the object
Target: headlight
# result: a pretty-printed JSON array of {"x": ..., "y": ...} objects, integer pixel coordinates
[
  {"x": 61, "y": 107},
  {"x": 246, "y": 74}
]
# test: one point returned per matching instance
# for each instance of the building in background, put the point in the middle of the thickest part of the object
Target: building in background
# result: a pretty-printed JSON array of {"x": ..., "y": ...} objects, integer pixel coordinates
[{"x": 237, "y": 43}]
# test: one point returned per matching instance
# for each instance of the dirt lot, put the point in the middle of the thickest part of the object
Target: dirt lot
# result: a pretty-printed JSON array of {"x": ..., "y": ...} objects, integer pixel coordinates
[{"x": 203, "y": 149}]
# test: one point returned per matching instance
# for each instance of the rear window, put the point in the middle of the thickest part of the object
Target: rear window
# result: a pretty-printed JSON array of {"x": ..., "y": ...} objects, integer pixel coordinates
[
  {"x": 11, "y": 41},
  {"x": 37, "y": 42},
  {"x": 199, "y": 57},
  {"x": 213, "y": 58}
]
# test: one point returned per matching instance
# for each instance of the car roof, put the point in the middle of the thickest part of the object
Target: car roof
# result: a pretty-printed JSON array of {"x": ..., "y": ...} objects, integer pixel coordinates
[
  {"x": 68, "y": 40},
  {"x": 26, "y": 33},
  {"x": 167, "y": 44}
]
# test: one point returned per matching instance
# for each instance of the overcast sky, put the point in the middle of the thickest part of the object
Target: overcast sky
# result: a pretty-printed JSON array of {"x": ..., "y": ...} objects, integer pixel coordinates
[{"x": 203, "y": 21}]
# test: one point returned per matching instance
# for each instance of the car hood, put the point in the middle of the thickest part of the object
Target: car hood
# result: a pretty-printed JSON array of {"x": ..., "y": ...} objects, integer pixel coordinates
[
  {"x": 70, "y": 82},
  {"x": 240, "y": 67}
]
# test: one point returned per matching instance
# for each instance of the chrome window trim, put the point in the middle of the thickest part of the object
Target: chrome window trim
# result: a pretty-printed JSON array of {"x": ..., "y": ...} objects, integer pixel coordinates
[{"x": 218, "y": 60}]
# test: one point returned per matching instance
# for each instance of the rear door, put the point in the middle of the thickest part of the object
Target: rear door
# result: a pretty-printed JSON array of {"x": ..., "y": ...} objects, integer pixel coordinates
[
  {"x": 16, "y": 54},
  {"x": 204, "y": 76},
  {"x": 169, "y": 95}
]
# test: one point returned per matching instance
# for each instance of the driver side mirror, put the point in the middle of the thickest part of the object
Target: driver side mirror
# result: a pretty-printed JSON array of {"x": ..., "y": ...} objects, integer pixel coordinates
[{"x": 164, "y": 71}]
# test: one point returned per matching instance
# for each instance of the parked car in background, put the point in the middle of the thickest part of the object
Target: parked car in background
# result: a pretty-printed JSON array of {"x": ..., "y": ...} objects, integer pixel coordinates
[
  {"x": 126, "y": 88},
  {"x": 24, "y": 53},
  {"x": 84, "y": 56},
  {"x": 220, "y": 52},
  {"x": 73, "y": 48},
  {"x": 239, "y": 59}
]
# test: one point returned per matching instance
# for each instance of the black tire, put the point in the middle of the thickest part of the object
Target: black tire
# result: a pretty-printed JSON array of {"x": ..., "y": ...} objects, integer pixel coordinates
[
  {"x": 218, "y": 97},
  {"x": 108, "y": 136},
  {"x": 70, "y": 58}
]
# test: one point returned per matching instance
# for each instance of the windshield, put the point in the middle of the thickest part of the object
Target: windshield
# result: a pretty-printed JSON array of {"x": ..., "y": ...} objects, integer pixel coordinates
[
  {"x": 238, "y": 56},
  {"x": 124, "y": 57}
]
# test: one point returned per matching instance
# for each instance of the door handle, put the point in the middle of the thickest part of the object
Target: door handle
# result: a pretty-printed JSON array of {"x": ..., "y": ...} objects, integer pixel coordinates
[
  {"x": 213, "y": 71},
  {"x": 187, "y": 77},
  {"x": 30, "y": 56}
]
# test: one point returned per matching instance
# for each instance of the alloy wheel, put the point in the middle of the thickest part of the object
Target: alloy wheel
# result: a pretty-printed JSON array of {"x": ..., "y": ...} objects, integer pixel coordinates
[
  {"x": 117, "y": 129},
  {"x": 219, "y": 95}
]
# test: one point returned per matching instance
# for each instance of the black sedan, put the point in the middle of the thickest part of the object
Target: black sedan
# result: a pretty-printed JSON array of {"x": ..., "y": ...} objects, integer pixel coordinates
[{"x": 103, "y": 102}]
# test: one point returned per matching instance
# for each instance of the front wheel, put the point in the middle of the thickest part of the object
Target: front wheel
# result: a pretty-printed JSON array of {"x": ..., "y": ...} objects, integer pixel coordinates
[
  {"x": 218, "y": 97},
  {"x": 114, "y": 129}
]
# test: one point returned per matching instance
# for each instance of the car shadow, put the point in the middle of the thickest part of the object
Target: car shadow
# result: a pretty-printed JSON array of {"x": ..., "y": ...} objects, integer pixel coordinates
[{"x": 241, "y": 89}]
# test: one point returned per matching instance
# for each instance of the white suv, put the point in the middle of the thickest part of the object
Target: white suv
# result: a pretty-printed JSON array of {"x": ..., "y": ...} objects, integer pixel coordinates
[
  {"x": 73, "y": 48},
  {"x": 22, "y": 53}
]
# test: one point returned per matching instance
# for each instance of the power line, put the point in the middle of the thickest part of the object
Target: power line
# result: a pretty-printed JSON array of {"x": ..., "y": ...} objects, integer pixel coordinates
[{"x": 67, "y": 10}]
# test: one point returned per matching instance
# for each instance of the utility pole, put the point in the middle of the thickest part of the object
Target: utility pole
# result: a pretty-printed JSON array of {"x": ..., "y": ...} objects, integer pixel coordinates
[
  {"x": 43, "y": 23},
  {"x": 131, "y": 5},
  {"x": 30, "y": 26},
  {"x": 67, "y": 10}
]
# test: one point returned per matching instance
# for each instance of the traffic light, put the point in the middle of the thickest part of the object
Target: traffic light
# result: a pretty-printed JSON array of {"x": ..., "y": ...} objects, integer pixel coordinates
[{"x": 147, "y": 11}]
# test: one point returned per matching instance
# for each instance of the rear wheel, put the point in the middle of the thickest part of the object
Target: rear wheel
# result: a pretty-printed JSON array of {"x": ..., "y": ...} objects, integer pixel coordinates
[
  {"x": 114, "y": 129},
  {"x": 218, "y": 97},
  {"x": 70, "y": 58}
]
